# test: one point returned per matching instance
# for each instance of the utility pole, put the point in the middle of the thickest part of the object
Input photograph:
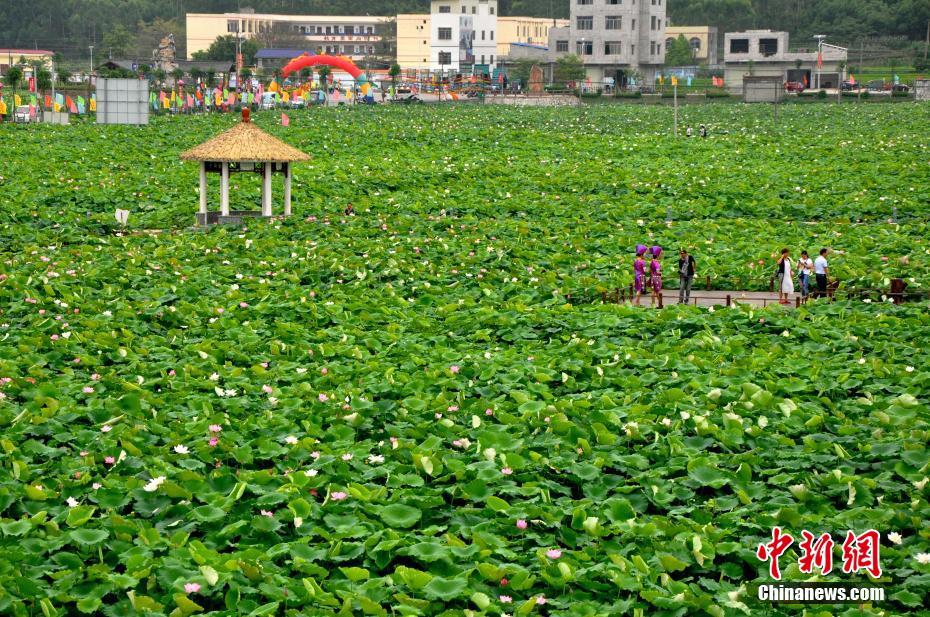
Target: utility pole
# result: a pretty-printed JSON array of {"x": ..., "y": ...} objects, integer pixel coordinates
[
  {"x": 675, "y": 103},
  {"x": 90, "y": 76},
  {"x": 927, "y": 42},
  {"x": 859, "y": 89}
]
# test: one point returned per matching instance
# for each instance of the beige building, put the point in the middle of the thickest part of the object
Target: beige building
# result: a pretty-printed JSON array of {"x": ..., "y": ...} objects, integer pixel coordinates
[
  {"x": 702, "y": 39},
  {"x": 526, "y": 30},
  {"x": 10, "y": 57},
  {"x": 764, "y": 53},
  {"x": 413, "y": 36},
  {"x": 354, "y": 36}
]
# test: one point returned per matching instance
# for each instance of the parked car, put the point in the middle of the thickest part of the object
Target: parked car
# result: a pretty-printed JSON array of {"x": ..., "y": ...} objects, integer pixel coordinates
[
  {"x": 21, "y": 114},
  {"x": 878, "y": 85},
  {"x": 847, "y": 86},
  {"x": 794, "y": 86},
  {"x": 901, "y": 88}
]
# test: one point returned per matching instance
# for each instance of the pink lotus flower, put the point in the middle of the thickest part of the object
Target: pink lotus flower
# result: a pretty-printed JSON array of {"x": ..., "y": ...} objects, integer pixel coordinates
[
  {"x": 504, "y": 582},
  {"x": 96, "y": 485},
  {"x": 323, "y": 398},
  {"x": 215, "y": 428},
  {"x": 324, "y": 371},
  {"x": 338, "y": 496},
  {"x": 191, "y": 587},
  {"x": 452, "y": 408},
  {"x": 83, "y": 453},
  {"x": 106, "y": 428},
  {"x": 95, "y": 377},
  {"x": 213, "y": 441},
  {"x": 506, "y": 599},
  {"x": 347, "y": 456},
  {"x": 171, "y": 373},
  {"x": 54, "y": 337},
  {"x": 553, "y": 553},
  {"x": 87, "y": 390},
  {"x": 267, "y": 389},
  {"x": 506, "y": 471},
  {"x": 489, "y": 412},
  {"x": 220, "y": 311},
  {"x": 454, "y": 369},
  {"x": 41, "y": 311},
  {"x": 314, "y": 455},
  {"x": 264, "y": 365},
  {"x": 541, "y": 600},
  {"x": 109, "y": 460},
  {"x": 267, "y": 513},
  {"x": 521, "y": 523}
]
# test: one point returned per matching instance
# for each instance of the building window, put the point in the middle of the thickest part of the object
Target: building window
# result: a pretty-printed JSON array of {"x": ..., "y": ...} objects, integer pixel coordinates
[
  {"x": 768, "y": 47},
  {"x": 585, "y": 2},
  {"x": 613, "y": 22},
  {"x": 652, "y": 23},
  {"x": 329, "y": 30},
  {"x": 739, "y": 46},
  {"x": 586, "y": 23},
  {"x": 492, "y": 59},
  {"x": 613, "y": 48},
  {"x": 482, "y": 58},
  {"x": 445, "y": 8},
  {"x": 632, "y": 49},
  {"x": 232, "y": 25},
  {"x": 492, "y": 35},
  {"x": 695, "y": 44},
  {"x": 482, "y": 35},
  {"x": 659, "y": 24},
  {"x": 319, "y": 29},
  {"x": 492, "y": 10},
  {"x": 668, "y": 43},
  {"x": 445, "y": 57},
  {"x": 561, "y": 46},
  {"x": 474, "y": 10},
  {"x": 614, "y": 2},
  {"x": 633, "y": 27},
  {"x": 585, "y": 48},
  {"x": 445, "y": 34}
]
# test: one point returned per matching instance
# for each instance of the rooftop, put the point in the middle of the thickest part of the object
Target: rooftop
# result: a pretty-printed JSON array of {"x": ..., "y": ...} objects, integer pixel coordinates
[
  {"x": 244, "y": 142},
  {"x": 282, "y": 53}
]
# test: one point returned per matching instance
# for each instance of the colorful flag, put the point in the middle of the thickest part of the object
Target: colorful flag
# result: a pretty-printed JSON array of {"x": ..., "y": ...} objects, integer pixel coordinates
[
  {"x": 285, "y": 120},
  {"x": 48, "y": 102},
  {"x": 72, "y": 107},
  {"x": 93, "y": 103},
  {"x": 17, "y": 101},
  {"x": 32, "y": 112},
  {"x": 231, "y": 100},
  {"x": 806, "y": 81},
  {"x": 2, "y": 107},
  {"x": 819, "y": 60},
  {"x": 190, "y": 101},
  {"x": 674, "y": 80},
  {"x": 60, "y": 99},
  {"x": 689, "y": 81},
  {"x": 81, "y": 109}
]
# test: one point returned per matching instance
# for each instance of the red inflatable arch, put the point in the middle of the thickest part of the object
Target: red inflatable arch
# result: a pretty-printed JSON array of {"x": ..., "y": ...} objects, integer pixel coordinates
[{"x": 305, "y": 60}]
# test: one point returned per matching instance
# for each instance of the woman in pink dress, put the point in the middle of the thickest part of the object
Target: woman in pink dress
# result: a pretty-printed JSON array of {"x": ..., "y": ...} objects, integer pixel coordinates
[
  {"x": 655, "y": 273},
  {"x": 639, "y": 273}
]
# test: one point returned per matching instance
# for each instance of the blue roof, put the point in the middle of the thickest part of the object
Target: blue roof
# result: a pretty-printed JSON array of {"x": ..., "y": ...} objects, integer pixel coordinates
[
  {"x": 277, "y": 54},
  {"x": 543, "y": 47}
]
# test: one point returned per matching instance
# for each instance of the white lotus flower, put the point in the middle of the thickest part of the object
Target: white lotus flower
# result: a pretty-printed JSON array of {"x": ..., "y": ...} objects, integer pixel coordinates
[
  {"x": 923, "y": 558},
  {"x": 181, "y": 449},
  {"x": 72, "y": 502},
  {"x": 290, "y": 439},
  {"x": 153, "y": 484},
  {"x": 895, "y": 537}
]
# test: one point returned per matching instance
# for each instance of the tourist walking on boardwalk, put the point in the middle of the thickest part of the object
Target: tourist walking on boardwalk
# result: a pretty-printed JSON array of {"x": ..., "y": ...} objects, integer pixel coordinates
[
  {"x": 805, "y": 267},
  {"x": 686, "y": 270},
  {"x": 783, "y": 278},
  {"x": 821, "y": 272},
  {"x": 639, "y": 273},
  {"x": 655, "y": 273}
]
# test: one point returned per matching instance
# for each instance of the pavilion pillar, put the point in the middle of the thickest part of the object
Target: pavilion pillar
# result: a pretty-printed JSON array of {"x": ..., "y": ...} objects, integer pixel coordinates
[
  {"x": 266, "y": 190},
  {"x": 287, "y": 189},
  {"x": 224, "y": 190},
  {"x": 203, "y": 187}
]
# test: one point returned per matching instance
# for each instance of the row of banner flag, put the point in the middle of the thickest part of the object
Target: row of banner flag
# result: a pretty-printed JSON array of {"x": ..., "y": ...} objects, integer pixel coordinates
[{"x": 58, "y": 103}]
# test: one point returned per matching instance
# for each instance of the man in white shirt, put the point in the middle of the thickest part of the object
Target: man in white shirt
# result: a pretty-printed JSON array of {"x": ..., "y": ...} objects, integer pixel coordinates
[{"x": 821, "y": 271}]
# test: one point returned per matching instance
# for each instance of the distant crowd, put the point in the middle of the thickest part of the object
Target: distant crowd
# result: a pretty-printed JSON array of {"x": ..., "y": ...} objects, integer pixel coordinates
[{"x": 648, "y": 274}]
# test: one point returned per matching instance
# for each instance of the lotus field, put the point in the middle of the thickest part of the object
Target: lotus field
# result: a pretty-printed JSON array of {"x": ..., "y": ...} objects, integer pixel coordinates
[{"x": 402, "y": 413}]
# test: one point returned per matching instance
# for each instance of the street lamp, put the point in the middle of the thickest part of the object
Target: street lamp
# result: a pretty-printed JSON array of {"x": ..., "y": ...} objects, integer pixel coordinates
[{"x": 820, "y": 38}]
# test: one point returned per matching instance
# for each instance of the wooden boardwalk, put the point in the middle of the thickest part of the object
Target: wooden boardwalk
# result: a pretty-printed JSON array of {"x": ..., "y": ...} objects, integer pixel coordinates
[{"x": 703, "y": 297}]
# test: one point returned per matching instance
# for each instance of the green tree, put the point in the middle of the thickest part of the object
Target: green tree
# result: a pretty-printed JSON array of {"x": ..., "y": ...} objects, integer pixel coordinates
[
  {"x": 569, "y": 68},
  {"x": 521, "y": 72},
  {"x": 324, "y": 73},
  {"x": 13, "y": 76},
  {"x": 224, "y": 49},
  {"x": 117, "y": 41},
  {"x": 679, "y": 54},
  {"x": 63, "y": 76},
  {"x": 394, "y": 73},
  {"x": 177, "y": 75}
]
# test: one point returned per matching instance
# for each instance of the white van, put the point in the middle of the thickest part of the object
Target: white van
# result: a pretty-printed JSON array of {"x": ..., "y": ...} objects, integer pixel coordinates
[{"x": 269, "y": 100}]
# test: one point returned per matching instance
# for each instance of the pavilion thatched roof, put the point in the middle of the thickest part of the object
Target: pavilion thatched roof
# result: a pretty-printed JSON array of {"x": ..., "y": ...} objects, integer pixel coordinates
[{"x": 244, "y": 142}]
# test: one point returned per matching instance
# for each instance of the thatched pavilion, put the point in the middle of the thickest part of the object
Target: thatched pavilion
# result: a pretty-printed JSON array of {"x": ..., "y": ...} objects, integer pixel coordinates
[{"x": 243, "y": 148}]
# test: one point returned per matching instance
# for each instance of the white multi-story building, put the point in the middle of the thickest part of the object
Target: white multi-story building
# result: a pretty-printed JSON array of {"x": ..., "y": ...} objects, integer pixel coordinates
[
  {"x": 615, "y": 39},
  {"x": 463, "y": 35}
]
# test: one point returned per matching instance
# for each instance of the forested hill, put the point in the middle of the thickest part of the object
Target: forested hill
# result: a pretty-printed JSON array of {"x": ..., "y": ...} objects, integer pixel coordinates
[{"x": 70, "y": 26}]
